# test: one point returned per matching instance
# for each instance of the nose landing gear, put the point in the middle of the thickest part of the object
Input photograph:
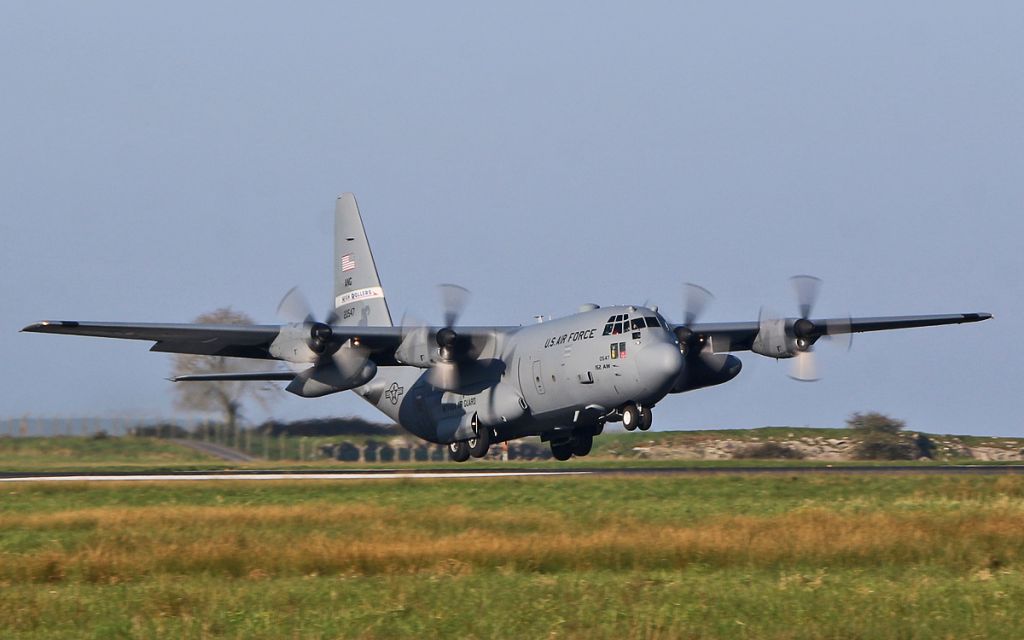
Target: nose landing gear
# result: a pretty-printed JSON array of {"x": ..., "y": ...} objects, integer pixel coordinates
[
  {"x": 646, "y": 419},
  {"x": 634, "y": 417},
  {"x": 630, "y": 416}
]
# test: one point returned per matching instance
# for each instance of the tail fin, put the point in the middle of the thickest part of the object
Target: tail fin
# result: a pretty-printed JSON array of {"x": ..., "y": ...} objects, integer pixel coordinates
[{"x": 358, "y": 296}]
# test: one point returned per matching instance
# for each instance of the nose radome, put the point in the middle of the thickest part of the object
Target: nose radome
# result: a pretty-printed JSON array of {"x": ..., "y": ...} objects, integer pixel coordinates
[{"x": 661, "y": 360}]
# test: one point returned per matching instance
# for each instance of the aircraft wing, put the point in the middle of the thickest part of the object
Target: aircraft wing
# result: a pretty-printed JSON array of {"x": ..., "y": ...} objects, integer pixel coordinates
[
  {"x": 247, "y": 341},
  {"x": 739, "y": 336}
]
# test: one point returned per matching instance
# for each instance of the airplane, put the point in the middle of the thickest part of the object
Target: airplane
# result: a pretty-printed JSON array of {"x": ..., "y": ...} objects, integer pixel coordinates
[{"x": 468, "y": 387}]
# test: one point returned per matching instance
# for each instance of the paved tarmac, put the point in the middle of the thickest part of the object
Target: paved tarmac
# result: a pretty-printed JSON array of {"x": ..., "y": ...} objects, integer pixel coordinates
[{"x": 491, "y": 473}]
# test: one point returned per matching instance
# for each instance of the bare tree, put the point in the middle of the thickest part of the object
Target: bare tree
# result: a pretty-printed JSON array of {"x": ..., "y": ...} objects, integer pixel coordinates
[{"x": 225, "y": 397}]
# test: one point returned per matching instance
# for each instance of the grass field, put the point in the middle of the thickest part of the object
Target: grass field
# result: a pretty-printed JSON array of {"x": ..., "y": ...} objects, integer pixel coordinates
[
  {"x": 801, "y": 556},
  {"x": 69, "y": 454},
  {"x": 75, "y": 453}
]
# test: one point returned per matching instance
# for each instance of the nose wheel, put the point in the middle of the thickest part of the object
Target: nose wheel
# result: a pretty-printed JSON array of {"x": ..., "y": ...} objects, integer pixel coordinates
[
  {"x": 646, "y": 419},
  {"x": 630, "y": 416},
  {"x": 634, "y": 417}
]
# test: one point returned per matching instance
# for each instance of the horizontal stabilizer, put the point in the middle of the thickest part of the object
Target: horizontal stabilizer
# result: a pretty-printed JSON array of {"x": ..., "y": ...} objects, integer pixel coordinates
[{"x": 235, "y": 377}]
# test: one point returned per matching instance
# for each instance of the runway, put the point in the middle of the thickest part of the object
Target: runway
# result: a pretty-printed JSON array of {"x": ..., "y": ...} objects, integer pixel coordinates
[{"x": 491, "y": 473}]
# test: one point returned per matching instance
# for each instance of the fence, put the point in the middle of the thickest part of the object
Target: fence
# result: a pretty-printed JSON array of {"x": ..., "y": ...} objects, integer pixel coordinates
[
  {"x": 252, "y": 441},
  {"x": 30, "y": 426}
]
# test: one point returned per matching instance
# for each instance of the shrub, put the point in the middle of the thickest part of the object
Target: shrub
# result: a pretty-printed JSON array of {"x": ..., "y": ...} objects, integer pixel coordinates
[{"x": 880, "y": 437}]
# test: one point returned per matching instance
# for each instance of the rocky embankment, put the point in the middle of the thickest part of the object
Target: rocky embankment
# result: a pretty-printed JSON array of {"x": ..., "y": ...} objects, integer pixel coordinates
[{"x": 814, "y": 448}]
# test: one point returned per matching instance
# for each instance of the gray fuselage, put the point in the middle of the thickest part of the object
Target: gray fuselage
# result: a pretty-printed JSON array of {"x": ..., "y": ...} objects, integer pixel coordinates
[{"x": 563, "y": 374}]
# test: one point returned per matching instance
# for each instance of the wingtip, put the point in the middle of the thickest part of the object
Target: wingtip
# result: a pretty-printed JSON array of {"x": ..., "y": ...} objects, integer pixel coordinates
[{"x": 43, "y": 326}]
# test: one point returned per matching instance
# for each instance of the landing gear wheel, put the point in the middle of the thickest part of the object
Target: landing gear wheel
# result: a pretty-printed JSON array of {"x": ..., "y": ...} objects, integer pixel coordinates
[
  {"x": 581, "y": 445},
  {"x": 630, "y": 416},
  {"x": 458, "y": 451},
  {"x": 479, "y": 445},
  {"x": 562, "y": 450},
  {"x": 646, "y": 419}
]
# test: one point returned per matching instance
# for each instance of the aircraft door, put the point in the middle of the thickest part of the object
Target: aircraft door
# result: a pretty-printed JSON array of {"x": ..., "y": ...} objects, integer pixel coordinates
[{"x": 538, "y": 377}]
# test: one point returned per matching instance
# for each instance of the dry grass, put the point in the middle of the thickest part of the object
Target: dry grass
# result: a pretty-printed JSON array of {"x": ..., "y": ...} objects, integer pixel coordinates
[
  {"x": 119, "y": 544},
  {"x": 800, "y": 557}
]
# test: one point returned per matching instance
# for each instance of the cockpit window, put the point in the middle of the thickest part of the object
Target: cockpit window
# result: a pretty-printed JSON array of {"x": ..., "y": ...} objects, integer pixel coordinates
[{"x": 622, "y": 323}]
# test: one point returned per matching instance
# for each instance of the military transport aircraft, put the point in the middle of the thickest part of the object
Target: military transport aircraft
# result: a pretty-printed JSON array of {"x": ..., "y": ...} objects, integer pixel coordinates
[{"x": 468, "y": 387}]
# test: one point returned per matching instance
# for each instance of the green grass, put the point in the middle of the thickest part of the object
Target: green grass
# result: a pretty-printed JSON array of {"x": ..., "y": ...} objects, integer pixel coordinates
[
  {"x": 85, "y": 453},
  {"x": 138, "y": 455},
  {"x": 725, "y": 556}
]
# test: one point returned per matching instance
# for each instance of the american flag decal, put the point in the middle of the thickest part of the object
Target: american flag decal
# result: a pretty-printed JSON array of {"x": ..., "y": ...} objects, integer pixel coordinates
[{"x": 347, "y": 262}]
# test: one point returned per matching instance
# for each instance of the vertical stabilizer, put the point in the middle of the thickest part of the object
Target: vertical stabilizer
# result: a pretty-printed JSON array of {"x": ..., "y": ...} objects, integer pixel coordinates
[{"x": 358, "y": 296}]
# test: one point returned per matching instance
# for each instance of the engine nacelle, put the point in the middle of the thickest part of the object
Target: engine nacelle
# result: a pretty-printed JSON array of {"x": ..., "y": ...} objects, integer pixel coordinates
[
  {"x": 776, "y": 339},
  {"x": 707, "y": 370},
  {"x": 292, "y": 344},
  {"x": 317, "y": 382}
]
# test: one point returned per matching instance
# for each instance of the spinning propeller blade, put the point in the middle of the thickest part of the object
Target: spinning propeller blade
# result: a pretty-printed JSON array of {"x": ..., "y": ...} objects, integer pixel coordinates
[
  {"x": 453, "y": 302},
  {"x": 330, "y": 365},
  {"x": 695, "y": 300},
  {"x": 805, "y": 366}
]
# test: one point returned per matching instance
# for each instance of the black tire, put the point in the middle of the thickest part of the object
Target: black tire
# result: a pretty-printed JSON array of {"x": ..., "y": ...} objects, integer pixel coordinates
[
  {"x": 646, "y": 419},
  {"x": 562, "y": 450},
  {"x": 458, "y": 451},
  {"x": 479, "y": 445},
  {"x": 582, "y": 444},
  {"x": 630, "y": 416}
]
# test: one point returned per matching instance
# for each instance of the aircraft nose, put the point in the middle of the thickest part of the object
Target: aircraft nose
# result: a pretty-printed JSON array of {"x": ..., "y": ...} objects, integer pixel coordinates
[{"x": 661, "y": 360}]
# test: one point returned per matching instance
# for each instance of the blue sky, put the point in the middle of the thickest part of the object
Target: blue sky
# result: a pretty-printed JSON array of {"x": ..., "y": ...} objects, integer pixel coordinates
[{"x": 159, "y": 162}]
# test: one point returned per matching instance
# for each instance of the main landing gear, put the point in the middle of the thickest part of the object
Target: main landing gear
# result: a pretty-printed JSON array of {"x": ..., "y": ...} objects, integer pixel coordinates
[
  {"x": 578, "y": 445},
  {"x": 634, "y": 417},
  {"x": 477, "y": 446},
  {"x": 458, "y": 451}
]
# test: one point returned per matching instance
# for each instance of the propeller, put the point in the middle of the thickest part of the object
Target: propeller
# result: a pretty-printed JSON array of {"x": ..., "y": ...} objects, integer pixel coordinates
[
  {"x": 453, "y": 302},
  {"x": 805, "y": 367},
  {"x": 445, "y": 372},
  {"x": 807, "y": 290},
  {"x": 695, "y": 301},
  {"x": 333, "y": 369},
  {"x": 294, "y": 308}
]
